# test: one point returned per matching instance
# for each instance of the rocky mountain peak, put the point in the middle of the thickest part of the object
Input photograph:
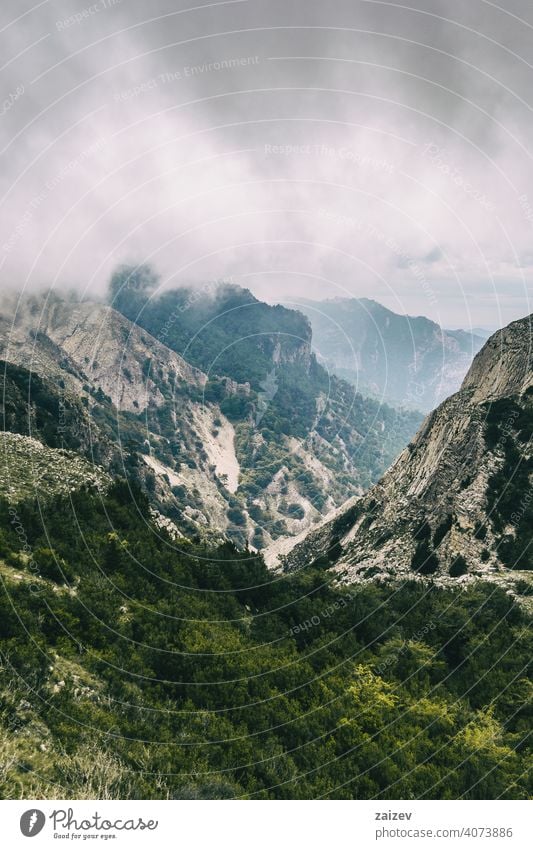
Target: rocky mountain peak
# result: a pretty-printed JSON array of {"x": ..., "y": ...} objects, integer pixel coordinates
[
  {"x": 503, "y": 367},
  {"x": 455, "y": 501}
]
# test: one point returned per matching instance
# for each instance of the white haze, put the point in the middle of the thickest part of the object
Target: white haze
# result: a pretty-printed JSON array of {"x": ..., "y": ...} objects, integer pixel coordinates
[{"x": 303, "y": 149}]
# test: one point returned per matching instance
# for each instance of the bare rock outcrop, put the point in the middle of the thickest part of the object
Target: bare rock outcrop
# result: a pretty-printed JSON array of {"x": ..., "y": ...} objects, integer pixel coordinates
[{"x": 455, "y": 502}]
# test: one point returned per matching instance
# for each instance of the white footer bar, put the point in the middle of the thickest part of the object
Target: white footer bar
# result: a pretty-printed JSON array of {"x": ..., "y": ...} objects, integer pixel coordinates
[{"x": 268, "y": 825}]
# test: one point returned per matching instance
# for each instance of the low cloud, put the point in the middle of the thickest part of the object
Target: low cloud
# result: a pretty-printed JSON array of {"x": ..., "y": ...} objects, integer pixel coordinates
[{"x": 300, "y": 149}]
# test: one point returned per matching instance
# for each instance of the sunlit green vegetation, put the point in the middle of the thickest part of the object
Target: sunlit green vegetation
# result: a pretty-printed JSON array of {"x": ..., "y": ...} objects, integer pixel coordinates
[{"x": 131, "y": 669}]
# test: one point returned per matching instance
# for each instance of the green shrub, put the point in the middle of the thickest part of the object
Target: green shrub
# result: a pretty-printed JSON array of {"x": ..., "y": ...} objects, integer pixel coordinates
[
  {"x": 458, "y": 567},
  {"x": 480, "y": 531},
  {"x": 236, "y": 516},
  {"x": 424, "y": 560},
  {"x": 52, "y": 567},
  {"x": 442, "y": 530}
]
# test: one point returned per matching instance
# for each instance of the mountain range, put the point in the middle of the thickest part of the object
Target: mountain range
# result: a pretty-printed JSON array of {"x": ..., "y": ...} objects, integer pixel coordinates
[
  {"x": 213, "y": 402},
  {"x": 147, "y": 650},
  {"x": 261, "y": 445},
  {"x": 403, "y": 360}
]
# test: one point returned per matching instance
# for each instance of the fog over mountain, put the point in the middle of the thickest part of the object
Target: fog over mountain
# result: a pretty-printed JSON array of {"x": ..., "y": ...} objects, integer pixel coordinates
[{"x": 354, "y": 149}]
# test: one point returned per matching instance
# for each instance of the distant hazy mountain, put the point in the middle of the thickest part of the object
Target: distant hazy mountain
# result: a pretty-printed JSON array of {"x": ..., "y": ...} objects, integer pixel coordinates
[
  {"x": 458, "y": 499},
  {"x": 483, "y": 332},
  {"x": 403, "y": 360}
]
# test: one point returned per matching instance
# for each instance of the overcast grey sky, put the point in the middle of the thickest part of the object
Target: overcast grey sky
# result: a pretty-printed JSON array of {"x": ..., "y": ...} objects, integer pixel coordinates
[{"x": 301, "y": 147}]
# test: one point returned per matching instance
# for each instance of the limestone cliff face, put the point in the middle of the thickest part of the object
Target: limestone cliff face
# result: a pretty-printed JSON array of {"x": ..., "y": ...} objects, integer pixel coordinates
[
  {"x": 456, "y": 500},
  {"x": 99, "y": 347},
  {"x": 141, "y": 403}
]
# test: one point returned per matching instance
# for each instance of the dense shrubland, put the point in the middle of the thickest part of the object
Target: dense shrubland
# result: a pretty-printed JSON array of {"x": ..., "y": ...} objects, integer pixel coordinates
[{"x": 132, "y": 669}]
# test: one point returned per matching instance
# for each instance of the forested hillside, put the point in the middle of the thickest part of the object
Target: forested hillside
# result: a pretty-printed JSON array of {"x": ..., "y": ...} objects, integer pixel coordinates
[
  {"x": 252, "y": 460},
  {"x": 305, "y": 440}
]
